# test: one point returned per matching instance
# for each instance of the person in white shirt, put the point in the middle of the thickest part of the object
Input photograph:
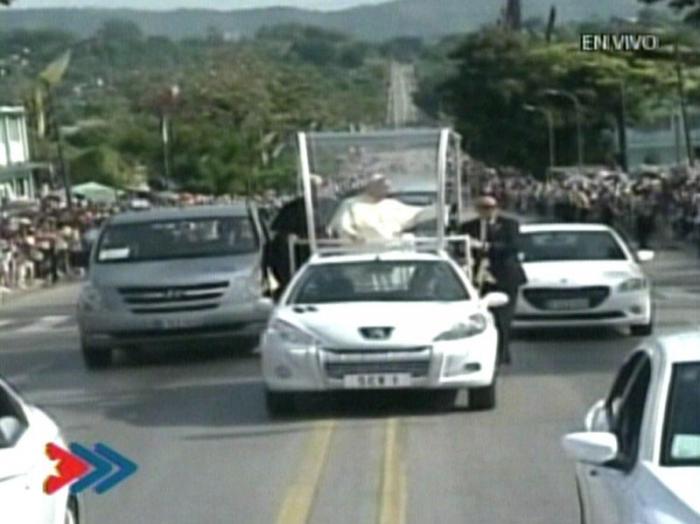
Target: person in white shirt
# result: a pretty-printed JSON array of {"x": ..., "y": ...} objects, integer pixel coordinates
[{"x": 373, "y": 216}]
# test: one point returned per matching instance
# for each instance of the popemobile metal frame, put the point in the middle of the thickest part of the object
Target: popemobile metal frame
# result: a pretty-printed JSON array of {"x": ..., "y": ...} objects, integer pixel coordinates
[{"x": 396, "y": 145}]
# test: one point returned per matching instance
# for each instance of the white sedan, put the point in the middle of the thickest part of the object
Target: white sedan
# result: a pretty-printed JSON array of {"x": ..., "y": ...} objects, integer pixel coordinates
[
  {"x": 25, "y": 431},
  {"x": 582, "y": 275},
  {"x": 381, "y": 321},
  {"x": 638, "y": 462}
]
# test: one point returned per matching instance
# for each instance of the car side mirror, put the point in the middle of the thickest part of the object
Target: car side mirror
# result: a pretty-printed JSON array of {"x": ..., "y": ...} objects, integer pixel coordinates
[
  {"x": 496, "y": 299},
  {"x": 597, "y": 448},
  {"x": 596, "y": 418},
  {"x": 645, "y": 255}
]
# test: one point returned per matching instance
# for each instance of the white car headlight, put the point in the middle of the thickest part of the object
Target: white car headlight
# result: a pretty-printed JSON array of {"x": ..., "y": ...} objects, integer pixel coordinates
[
  {"x": 477, "y": 324},
  {"x": 291, "y": 334},
  {"x": 91, "y": 298},
  {"x": 633, "y": 284}
]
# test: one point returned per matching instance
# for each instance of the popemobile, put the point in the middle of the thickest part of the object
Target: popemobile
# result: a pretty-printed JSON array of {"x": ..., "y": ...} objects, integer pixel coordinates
[{"x": 381, "y": 303}]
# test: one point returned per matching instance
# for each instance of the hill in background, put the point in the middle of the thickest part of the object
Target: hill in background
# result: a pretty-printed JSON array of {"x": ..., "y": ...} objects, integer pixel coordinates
[{"x": 422, "y": 18}]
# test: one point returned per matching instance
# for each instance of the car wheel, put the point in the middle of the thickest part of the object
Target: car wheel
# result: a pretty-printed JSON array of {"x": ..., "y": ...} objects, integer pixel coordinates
[
  {"x": 96, "y": 358},
  {"x": 644, "y": 330},
  {"x": 72, "y": 515},
  {"x": 278, "y": 403},
  {"x": 481, "y": 399}
]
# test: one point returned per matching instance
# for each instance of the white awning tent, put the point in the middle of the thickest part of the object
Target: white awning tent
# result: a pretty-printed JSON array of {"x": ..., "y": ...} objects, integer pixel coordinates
[{"x": 96, "y": 193}]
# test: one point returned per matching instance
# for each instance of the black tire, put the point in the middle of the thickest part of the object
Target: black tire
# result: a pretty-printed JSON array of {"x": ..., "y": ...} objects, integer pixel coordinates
[
  {"x": 72, "y": 512},
  {"x": 96, "y": 358},
  {"x": 279, "y": 404},
  {"x": 644, "y": 330},
  {"x": 483, "y": 399}
]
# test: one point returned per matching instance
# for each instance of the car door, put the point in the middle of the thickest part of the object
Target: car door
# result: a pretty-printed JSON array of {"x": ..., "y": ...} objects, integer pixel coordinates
[
  {"x": 22, "y": 467},
  {"x": 606, "y": 489}
]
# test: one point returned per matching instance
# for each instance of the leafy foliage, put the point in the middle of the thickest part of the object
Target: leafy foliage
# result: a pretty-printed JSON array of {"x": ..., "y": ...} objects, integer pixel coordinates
[{"x": 237, "y": 108}]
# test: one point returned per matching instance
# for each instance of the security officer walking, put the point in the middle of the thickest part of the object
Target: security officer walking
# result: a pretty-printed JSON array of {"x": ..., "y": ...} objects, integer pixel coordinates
[{"x": 497, "y": 266}]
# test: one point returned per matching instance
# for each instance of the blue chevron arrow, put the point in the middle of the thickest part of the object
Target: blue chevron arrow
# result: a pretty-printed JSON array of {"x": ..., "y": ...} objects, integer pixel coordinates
[
  {"x": 125, "y": 468},
  {"x": 101, "y": 468}
]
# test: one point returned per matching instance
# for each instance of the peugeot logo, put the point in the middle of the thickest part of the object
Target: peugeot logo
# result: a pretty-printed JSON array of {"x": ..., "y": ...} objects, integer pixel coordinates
[{"x": 376, "y": 333}]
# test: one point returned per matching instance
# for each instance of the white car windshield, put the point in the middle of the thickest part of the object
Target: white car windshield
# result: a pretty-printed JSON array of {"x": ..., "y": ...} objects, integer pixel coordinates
[
  {"x": 172, "y": 239},
  {"x": 682, "y": 429},
  {"x": 380, "y": 281},
  {"x": 556, "y": 246}
]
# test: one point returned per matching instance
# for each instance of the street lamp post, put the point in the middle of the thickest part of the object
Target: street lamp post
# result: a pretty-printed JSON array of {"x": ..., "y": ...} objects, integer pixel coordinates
[
  {"x": 579, "y": 119},
  {"x": 622, "y": 131},
  {"x": 550, "y": 129}
]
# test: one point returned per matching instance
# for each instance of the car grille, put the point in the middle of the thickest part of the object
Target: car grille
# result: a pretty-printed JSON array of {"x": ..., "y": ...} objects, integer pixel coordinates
[
  {"x": 338, "y": 370},
  {"x": 568, "y": 317},
  {"x": 541, "y": 298},
  {"x": 340, "y": 362},
  {"x": 173, "y": 299}
]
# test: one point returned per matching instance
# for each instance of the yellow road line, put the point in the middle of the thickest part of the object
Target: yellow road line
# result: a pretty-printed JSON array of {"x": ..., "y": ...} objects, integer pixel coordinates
[
  {"x": 392, "y": 504},
  {"x": 300, "y": 496}
]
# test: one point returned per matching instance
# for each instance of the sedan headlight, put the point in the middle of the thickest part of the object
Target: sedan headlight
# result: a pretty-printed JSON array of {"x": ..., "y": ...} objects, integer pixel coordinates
[
  {"x": 291, "y": 334},
  {"x": 477, "y": 324},
  {"x": 633, "y": 284},
  {"x": 91, "y": 298}
]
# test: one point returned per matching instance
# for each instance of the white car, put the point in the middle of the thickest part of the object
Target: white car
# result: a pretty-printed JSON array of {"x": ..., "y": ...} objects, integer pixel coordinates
[
  {"x": 374, "y": 321},
  {"x": 25, "y": 431},
  {"x": 582, "y": 275},
  {"x": 638, "y": 462}
]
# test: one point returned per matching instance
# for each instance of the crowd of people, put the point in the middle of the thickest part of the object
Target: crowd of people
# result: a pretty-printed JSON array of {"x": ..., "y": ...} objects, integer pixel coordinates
[
  {"x": 45, "y": 241},
  {"x": 651, "y": 204}
]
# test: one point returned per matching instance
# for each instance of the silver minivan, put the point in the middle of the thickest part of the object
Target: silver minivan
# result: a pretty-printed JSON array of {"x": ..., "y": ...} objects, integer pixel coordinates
[{"x": 174, "y": 276}]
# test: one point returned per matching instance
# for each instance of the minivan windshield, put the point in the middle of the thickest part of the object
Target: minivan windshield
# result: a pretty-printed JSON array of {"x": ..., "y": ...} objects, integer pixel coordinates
[{"x": 173, "y": 239}]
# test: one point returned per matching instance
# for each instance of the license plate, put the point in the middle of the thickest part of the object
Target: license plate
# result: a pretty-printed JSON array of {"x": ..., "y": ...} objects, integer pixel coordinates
[
  {"x": 569, "y": 304},
  {"x": 177, "y": 323},
  {"x": 377, "y": 381}
]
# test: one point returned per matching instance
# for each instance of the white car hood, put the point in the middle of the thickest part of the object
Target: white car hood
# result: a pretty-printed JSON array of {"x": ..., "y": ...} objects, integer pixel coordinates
[
  {"x": 672, "y": 491},
  {"x": 414, "y": 323},
  {"x": 579, "y": 273}
]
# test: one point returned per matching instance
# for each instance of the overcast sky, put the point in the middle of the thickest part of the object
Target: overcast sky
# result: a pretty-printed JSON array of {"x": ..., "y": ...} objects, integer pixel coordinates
[{"x": 212, "y": 4}]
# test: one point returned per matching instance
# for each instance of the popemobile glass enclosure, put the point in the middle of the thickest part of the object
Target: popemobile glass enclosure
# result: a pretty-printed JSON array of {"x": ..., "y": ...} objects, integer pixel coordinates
[{"x": 422, "y": 166}]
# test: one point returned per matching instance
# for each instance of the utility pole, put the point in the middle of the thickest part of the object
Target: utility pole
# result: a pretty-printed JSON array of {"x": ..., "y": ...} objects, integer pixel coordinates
[
  {"x": 579, "y": 119},
  {"x": 550, "y": 129},
  {"x": 684, "y": 109},
  {"x": 622, "y": 127},
  {"x": 56, "y": 127}
]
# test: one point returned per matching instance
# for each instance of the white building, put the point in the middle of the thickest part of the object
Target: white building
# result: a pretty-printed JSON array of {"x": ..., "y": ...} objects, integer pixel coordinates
[{"x": 16, "y": 180}]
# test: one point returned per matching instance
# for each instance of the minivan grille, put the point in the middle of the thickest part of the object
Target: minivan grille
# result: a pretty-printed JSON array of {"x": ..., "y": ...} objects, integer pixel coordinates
[
  {"x": 175, "y": 298},
  {"x": 547, "y": 298}
]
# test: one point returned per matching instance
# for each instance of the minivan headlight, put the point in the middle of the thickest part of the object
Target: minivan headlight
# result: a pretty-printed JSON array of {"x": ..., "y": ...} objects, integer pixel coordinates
[
  {"x": 291, "y": 334},
  {"x": 476, "y": 324},
  {"x": 91, "y": 298},
  {"x": 633, "y": 284}
]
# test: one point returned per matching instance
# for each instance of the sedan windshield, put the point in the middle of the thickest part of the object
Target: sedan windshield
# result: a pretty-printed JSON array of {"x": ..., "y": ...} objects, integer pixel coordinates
[
  {"x": 189, "y": 238},
  {"x": 383, "y": 281},
  {"x": 556, "y": 246},
  {"x": 682, "y": 430}
]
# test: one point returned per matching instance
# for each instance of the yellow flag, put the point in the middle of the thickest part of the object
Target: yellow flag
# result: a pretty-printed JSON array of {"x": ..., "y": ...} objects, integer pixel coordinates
[{"x": 54, "y": 72}]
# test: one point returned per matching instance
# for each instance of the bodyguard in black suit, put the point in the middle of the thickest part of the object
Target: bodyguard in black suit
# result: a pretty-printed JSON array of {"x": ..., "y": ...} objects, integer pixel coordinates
[{"x": 496, "y": 242}]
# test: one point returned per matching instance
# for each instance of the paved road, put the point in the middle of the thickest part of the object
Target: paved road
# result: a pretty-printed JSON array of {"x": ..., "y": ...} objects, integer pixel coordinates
[
  {"x": 208, "y": 453},
  {"x": 401, "y": 110}
]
